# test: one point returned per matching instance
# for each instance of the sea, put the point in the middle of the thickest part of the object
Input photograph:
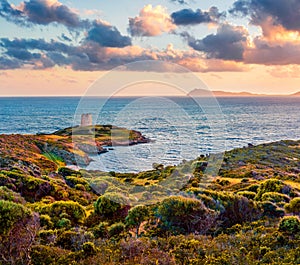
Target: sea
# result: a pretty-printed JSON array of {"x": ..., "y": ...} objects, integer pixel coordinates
[{"x": 180, "y": 128}]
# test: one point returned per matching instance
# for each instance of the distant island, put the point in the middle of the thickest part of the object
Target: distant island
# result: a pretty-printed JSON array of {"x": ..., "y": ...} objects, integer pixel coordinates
[
  {"x": 218, "y": 93},
  {"x": 297, "y": 94}
]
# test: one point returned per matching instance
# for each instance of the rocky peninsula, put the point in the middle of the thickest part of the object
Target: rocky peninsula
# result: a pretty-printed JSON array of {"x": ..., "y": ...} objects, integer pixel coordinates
[{"x": 70, "y": 146}]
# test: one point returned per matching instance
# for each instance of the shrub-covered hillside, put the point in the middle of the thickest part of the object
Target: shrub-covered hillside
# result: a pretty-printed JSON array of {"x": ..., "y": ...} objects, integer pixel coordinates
[{"x": 50, "y": 214}]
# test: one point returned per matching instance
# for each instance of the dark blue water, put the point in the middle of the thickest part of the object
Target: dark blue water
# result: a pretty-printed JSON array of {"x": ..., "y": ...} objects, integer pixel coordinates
[{"x": 181, "y": 127}]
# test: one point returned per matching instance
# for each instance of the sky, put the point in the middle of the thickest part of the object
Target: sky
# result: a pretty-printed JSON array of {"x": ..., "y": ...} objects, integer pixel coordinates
[{"x": 56, "y": 47}]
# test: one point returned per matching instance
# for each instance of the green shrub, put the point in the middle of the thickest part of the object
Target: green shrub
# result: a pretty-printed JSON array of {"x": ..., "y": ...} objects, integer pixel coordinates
[
  {"x": 293, "y": 206},
  {"x": 64, "y": 223},
  {"x": 275, "y": 197},
  {"x": 136, "y": 216},
  {"x": 9, "y": 195},
  {"x": 271, "y": 210},
  {"x": 41, "y": 254},
  {"x": 112, "y": 206},
  {"x": 116, "y": 229},
  {"x": 270, "y": 185},
  {"x": 47, "y": 236},
  {"x": 208, "y": 201},
  {"x": 253, "y": 188},
  {"x": 45, "y": 221},
  {"x": 18, "y": 227},
  {"x": 73, "y": 210},
  {"x": 237, "y": 210},
  {"x": 10, "y": 214},
  {"x": 64, "y": 171},
  {"x": 248, "y": 194},
  {"x": 223, "y": 182},
  {"x": 80, "y": 187},
  {"x": 290, "y": 225},
  {"x": 186, "y": 215},
  {"x": 89, "y": 248},
  {"x": 101, "y": 230},
  {"x": 71, "y": 240},
  {"x": 73, "y": 181}
]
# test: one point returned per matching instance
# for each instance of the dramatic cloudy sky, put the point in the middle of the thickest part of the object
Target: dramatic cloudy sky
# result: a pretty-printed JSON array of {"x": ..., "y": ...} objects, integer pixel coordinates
[{"x": 57, "y": 47}]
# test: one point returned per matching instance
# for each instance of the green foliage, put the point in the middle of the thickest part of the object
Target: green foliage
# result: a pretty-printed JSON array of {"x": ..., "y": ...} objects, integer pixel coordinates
[
  {"x": 72, "y": 240},
  {"x": 41, "y": 254},
  {"x": 89, "y": 248},
  {"x": 65, "y": 171},
  {"x": 275, "y": 197},
  {"x": 73, "y": 181},
  {"x": 271, "y": 210},
  {"x": 290, "y": 225},
  {"x": 293, "y": 206},
  {"x": 80, "y": 187},
  {"x": 58, "y": 210},
  {"x": 101, "y": 230},
  {"x": 186, "y": 215},
  {"x": 136, "y": 216},
  {"x": 47, "y": 236},
  {"x": 253, "y": 188},
  {"x": 18, "y": 227},
  {"x": 10, "y": 214},
  {"x": 116, "y": 229},
  {"x": 237, "y": 210},
  {"x": 224, "y": 214},
  {"x": 248, "y": 194},
  {"x": 45, "y": 221},
  {"x": 189, "y": 251},
  {"x": 64, "y": 223},
  {"x": 29, "y": 187},
  {"x": 73, "y": 210},
  {"x": 223, "y": 182},
  {"x": 55, "y": 158},
  {"x": 9, "y": 195},
  {"x": 270, "y": 185},
  {"x": 111, "y": 205}
]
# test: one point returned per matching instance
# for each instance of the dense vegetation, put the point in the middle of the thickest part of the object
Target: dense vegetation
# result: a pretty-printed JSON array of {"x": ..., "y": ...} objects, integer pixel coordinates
[{"x": 50, "y": 214}]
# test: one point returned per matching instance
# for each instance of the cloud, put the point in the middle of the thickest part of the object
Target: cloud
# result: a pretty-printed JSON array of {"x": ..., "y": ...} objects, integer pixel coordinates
[
  {"x": 152, "y": 21},
  {"x": 282, "y": 12},
  {"x": 267, "y": 53},
  {"x": 45, "y": 55},
  {"x": 37, "y": 44},
  {"x": 198, "y": 64},
  {"x": 229, "y": 43},
  {"x": 42, "y": 12},
  {"x": 107, "y": 36},
  {"x": 190, "y": 17},
  {"x": 287, "y": 71},
  {"x": 279, "y": 21},
  {"x": 90, "y": 56},
  {"x": 179, "y": 1},
  {"x": 22, "y": 54},
  {"x": 64, "y": 37},
  {"x": 9, "y": 63}
]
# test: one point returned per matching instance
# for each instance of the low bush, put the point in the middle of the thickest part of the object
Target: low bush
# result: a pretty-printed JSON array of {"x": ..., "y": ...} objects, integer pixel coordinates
[{"x": 290, "y": 225}]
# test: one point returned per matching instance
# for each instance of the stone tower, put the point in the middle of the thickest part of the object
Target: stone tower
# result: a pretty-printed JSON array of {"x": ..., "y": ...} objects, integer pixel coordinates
[{"x": 86, "y": 119}]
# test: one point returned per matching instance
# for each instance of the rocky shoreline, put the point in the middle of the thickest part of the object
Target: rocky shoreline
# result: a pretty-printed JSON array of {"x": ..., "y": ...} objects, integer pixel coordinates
[{"x": 69, "y": 146}]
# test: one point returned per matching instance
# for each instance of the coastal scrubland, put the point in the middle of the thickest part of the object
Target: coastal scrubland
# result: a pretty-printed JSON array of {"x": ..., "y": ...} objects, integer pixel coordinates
[{"x": 51, "y": 214}]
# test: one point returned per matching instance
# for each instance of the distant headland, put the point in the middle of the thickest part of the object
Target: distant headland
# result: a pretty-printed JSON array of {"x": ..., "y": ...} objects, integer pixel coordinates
[{"x": 218, "y": 93}]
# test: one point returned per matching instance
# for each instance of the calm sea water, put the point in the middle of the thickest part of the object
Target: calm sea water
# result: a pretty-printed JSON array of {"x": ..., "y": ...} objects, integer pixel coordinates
[{"x": 180, "y": 127}]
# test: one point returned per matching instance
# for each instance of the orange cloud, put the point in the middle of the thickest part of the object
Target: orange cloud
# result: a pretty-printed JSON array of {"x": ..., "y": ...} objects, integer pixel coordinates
[
  {"x": 288, "y": 71},
  {"x": 212, "y": 65},
  {"x": 277, "y": 33},
  {"x": 152, "y": 21}
]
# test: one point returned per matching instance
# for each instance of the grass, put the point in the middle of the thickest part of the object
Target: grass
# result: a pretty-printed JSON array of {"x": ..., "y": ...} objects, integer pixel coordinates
[{"x": 54, "y": 158}]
